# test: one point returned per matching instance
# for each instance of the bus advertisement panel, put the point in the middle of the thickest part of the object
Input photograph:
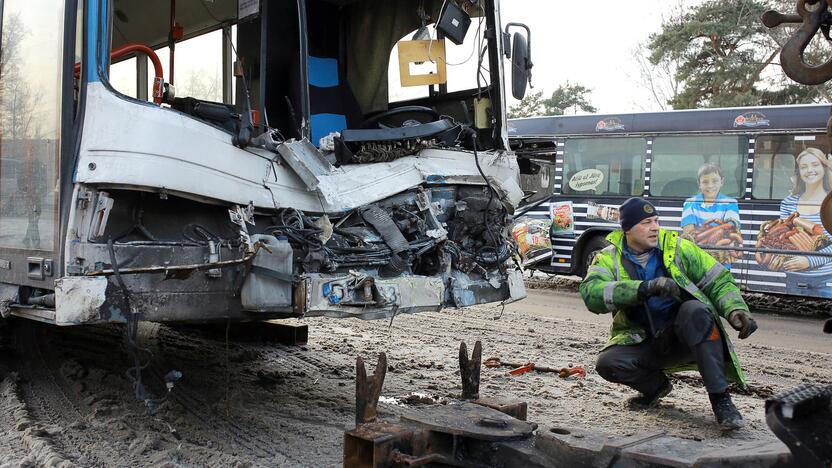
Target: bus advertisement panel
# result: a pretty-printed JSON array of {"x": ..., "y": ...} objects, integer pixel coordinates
[{"x": 744, "y": 184}]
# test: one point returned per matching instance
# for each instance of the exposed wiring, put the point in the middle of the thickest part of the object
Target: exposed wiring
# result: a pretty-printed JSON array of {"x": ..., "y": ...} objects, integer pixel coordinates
[
  {"x": 430, "y": 44},
  {"x": 193, "y": 228},
  {"x": 175, "y": 268},
  {"x": 137, "y": 215},
  {"x": 480, "y": 68},
  {"x": 502, "y": 309},
  {"x": 473, "y": 46},
  {"x": 480, "y": 75},
  {"x": 134, "y": 373},
  {"x": 499, "y": 252}
]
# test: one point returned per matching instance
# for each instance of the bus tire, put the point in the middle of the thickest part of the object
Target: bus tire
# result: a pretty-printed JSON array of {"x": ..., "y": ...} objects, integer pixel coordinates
[{"x": 590, "y": 250}]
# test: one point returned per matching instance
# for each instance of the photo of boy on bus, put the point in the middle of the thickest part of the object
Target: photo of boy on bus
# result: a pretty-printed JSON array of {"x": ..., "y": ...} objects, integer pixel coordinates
[
  {"x": 799, "y": 228},
  {"x": 711, "y": 218}
]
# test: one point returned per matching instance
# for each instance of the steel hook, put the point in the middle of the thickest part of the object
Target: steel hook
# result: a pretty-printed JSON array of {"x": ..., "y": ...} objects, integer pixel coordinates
[{"x": 813, "y": 15}]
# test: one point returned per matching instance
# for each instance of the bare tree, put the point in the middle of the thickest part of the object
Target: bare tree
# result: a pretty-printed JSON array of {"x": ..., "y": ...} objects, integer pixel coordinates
[
  {"x": 659, "y": 79},
  {"x": 17, "y": 100},
  {"x": 12, "y": 34},
  {"x": 24, "y": 152},
  {"x": 201, "y": 84}
]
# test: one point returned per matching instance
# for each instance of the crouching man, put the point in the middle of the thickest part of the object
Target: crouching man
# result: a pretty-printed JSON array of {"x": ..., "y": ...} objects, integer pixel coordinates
[{"x": 666, "y": 296}]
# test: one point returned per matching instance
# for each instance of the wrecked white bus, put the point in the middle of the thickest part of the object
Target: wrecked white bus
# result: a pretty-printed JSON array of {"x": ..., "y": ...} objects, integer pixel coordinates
[{"x": 296, "y": 187}]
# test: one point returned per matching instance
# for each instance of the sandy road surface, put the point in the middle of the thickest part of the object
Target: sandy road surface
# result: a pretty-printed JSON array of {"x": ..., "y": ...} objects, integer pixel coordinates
[
  {"x": 66, "y": 399},
  {"x": 783, "y": 331}
]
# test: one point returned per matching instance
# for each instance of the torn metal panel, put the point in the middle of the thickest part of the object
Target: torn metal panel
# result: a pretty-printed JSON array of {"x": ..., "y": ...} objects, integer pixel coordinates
[
  {"x": 466, "y": 291},
  {"x": 508, "y": 191},
  {"x": 79, "y": 299},
  {"x": 213, "y": 169},
  {"x": 418, "y": 250},
  {"x": 516, "y": 286},
  {"x": 355, "y": 185},
  {"x": 307, "y": 162},
  {"x": 379, "y": 221},
  {"x": 34, "y": 313},
  {"x": 268, "y": 286},
  {"x": 326, "y": 296}
]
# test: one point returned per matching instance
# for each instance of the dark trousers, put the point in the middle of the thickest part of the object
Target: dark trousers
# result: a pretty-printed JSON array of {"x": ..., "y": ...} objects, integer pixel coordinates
[{"x": 691, "y": 337}]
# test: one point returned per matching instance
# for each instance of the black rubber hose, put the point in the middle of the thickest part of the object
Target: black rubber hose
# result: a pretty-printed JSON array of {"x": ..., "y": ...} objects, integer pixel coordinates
[{"x": 492, "y": 256}]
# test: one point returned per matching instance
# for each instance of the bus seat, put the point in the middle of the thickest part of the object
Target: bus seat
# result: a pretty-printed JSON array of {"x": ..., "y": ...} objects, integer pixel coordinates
[
  {"x": 332, "y": 104},
  {"x": 684, "y": 187}
]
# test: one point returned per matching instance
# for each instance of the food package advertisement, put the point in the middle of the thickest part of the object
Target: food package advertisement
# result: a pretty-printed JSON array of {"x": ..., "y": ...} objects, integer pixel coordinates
[
  {"x": 563, "y": 218},
  {"x": 604, "y": 212},
  {"x": 532, "y": 238}
]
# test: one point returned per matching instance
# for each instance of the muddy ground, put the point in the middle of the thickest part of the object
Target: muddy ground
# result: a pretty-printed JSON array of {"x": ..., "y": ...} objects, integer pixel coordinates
[{"x": 65, "y": 398}]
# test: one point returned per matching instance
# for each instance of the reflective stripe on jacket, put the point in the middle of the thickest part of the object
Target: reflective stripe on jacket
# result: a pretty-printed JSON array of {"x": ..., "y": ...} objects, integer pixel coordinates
[{"x": 608, "y": 288}]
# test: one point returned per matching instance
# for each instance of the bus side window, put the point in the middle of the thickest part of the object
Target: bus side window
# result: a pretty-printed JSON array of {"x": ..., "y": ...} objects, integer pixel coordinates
[
  {"x": 774, "y": 156},
  {"x": 678, "y": 160},
  {"x": 604, "y": 166},
  {"x": 122, "y": 77}
]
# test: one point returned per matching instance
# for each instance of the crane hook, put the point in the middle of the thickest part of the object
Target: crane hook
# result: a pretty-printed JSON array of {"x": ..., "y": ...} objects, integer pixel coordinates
[{"x": 812, "y": 15}]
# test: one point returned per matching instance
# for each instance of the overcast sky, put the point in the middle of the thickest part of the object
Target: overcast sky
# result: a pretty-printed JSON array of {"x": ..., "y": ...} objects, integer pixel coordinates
[{"x": 590, "y": 44}]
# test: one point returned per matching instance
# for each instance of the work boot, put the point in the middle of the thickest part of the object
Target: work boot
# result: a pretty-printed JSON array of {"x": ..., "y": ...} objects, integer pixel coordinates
[
  {"x": 727, "y": 415},
  {"x": 643, "y": 402}
]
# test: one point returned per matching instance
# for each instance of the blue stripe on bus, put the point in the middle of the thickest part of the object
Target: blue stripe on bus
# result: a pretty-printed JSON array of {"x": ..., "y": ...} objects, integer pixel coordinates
[{"x": 97, "y": 9}]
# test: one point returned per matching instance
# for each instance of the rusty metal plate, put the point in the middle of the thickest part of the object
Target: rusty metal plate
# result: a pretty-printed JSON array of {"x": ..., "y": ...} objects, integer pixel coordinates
[
  {"x": 372, "y": 445},
  {"x": 515, "y": 409},
  {"x": 470, "y": 420}
]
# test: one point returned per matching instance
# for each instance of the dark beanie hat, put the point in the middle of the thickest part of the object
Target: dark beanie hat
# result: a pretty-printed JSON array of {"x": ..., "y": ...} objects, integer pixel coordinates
[{"x": 633, "y": 211}]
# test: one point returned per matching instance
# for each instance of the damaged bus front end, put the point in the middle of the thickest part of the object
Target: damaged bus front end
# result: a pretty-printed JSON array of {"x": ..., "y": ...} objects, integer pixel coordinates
[{"x": 304, "y": 190}]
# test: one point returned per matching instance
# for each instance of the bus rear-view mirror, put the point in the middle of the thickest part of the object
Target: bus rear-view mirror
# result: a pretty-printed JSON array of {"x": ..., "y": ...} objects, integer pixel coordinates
[{"x": 521, "y": 62}]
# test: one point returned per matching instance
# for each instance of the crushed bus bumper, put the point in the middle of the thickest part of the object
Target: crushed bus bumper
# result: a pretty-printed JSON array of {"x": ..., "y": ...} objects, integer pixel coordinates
[{"x": 368, "y": 298}]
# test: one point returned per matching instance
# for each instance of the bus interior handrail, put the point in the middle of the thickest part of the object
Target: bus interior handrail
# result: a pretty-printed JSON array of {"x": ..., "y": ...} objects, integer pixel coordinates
[{"x": 158, "y": 81}]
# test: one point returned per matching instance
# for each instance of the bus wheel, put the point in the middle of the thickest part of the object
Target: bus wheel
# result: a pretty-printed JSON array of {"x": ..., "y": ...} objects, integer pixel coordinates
[{"x": 590, "y": 250}]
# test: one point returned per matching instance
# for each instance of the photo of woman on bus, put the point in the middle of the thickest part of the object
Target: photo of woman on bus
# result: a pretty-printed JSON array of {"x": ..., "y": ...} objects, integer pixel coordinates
[
  {"x": 711, "y": 218},
  {"x": 800, "y": 228}
]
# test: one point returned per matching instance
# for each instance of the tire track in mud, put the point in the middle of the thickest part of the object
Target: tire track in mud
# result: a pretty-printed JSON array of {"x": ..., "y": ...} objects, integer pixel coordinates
[
  {"x": 56, "y": 409},
  {"x": 85, "y": 367},
  {"x": 264, "y": 438},
  {"x": 223, "y": 433}
]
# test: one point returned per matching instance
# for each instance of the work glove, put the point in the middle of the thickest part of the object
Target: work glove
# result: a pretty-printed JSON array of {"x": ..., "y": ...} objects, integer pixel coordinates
[
  {"x": 664, "y": 287},
  {"x": 742, "y": 322}
]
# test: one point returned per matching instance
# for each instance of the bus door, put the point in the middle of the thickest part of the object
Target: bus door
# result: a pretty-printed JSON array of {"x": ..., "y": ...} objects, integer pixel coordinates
[{"x": 31, "y": 95}]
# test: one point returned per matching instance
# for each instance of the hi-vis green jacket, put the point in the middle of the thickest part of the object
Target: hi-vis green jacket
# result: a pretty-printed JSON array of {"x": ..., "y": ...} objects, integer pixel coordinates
[{"x": 608, "y": 288}]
